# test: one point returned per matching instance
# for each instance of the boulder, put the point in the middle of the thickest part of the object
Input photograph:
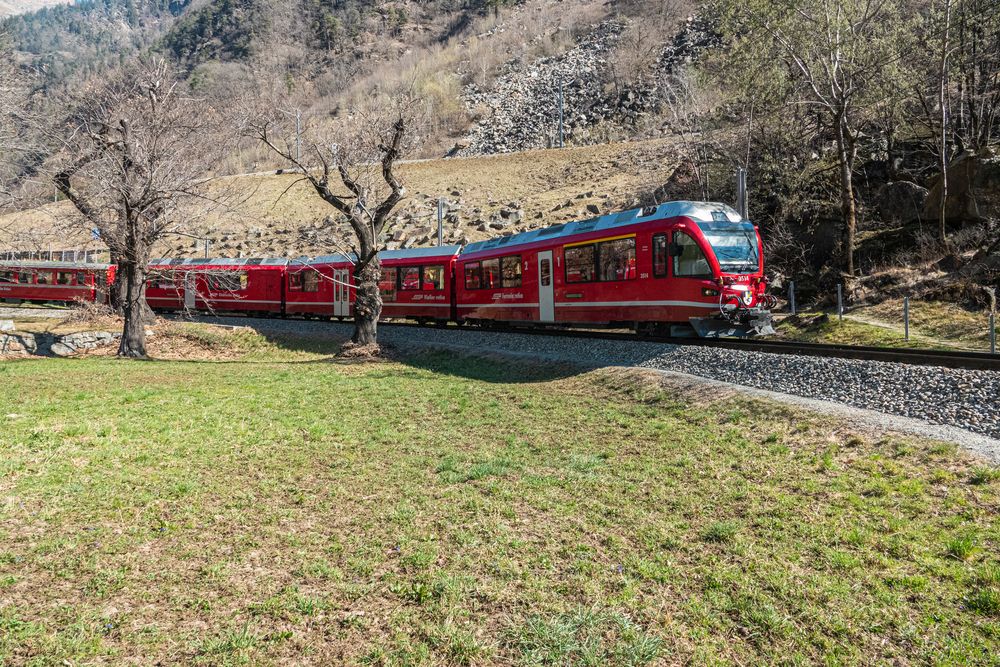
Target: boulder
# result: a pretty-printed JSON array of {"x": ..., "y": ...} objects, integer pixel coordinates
[
  {"x": 901, "y": 201},
  {"x": 62, "y": 350},
  {"x": 973, "y": 189},
  {"x": 512, "y": 215}
]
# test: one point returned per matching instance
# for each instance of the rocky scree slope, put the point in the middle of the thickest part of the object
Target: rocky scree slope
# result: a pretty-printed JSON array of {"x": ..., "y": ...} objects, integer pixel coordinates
[{"x": 522, "y": 106}]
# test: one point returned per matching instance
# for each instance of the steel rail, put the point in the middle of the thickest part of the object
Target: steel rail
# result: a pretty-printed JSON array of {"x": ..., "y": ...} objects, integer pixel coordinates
[{"x": 960, "y": 359}]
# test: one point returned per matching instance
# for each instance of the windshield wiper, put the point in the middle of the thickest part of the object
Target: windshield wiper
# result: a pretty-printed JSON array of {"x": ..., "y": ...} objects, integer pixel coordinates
[{"x": 756, "y": 256}]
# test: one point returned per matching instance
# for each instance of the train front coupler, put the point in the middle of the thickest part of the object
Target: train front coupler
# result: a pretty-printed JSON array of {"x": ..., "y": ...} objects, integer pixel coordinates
[
  {"x": 738, "y": 317},
  {"x": 736, "y": 323}
]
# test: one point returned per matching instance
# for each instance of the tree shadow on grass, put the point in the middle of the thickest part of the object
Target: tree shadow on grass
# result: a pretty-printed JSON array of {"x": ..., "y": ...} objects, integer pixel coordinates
[
  {"x": 493, "y": 367},
  {"x": 488, "y": 367}
]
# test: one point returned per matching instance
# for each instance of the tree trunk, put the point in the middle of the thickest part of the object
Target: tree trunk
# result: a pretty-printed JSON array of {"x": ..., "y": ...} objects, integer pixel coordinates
[
  {"x": 116, "y": 290},
  {"x": 845, "y": 153},
  {"x": 367, "y": 303},
  {"x": 133, "y": 342},
  {"x": 943, "y": 102}
]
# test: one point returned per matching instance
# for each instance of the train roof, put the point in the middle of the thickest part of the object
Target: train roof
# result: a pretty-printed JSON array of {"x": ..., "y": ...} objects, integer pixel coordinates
[
  {"x": 409, "y": 253},
  {"x": 220, "y": 261},
  {"x": 69, "y": 266},
  {"x": 419, "y": 253},
  {"x": 696, "y": 210},
  {"x": 337, "y": 258}
]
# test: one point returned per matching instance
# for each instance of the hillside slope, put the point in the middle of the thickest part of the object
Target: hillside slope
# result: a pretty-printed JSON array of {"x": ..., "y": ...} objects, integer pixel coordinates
[
  {"x": 12, "y": 7},
  {"x": 486, "y": 196}
]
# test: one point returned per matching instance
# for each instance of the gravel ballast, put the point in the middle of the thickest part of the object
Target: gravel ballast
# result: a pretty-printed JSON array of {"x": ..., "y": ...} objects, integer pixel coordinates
[
  {"x": 23, "y": 312},
  {"x": 959, "y": 399}
]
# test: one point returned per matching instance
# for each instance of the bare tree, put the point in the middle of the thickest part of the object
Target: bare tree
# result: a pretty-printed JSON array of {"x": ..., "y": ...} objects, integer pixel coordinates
[
  {"x": 836, "y": 56},
  {"x": 687, "y": 104},
  {"x": 977, "y": 28},
  {"x": 353, "y": 169},
  {"x": 12, "y": 120},
  {"x": 943, "y": 105},
  {"x": 133, "y": 158}
]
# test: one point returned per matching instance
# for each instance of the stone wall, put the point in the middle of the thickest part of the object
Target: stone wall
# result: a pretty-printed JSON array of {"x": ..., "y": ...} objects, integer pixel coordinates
[{"x": 51, "y": 345}]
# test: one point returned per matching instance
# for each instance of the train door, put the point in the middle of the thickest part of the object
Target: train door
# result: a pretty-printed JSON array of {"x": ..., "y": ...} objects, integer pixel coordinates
[
  {"x": 190, "y": 290},
  {"x": 546, "y": 290},
  {"x": 692, "y": 274},
  {"x": 341, "y": 293}
]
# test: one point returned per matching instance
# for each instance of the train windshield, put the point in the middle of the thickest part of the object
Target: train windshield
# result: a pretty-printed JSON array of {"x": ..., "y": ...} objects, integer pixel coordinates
[{"x": 735, "y": 245}]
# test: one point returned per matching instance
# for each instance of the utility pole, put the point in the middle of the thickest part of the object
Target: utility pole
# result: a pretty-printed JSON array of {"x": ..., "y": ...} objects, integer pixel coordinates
[
  {"x": 741, "y": 192},
  {"x": 440, "y": 221},
  {"x": 560, "y": 113},
  {"x": 298, "y": 135}
]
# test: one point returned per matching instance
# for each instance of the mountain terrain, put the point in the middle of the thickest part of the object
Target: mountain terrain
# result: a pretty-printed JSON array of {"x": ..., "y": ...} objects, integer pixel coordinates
[
  {"x": 12, "y": 7},
  {"x": 654, "y": 99}
]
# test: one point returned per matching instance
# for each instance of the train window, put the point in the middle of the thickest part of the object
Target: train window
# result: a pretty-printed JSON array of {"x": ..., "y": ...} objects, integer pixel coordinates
[
  {"x": 616, "y": 260},
  {"x": 579, "y": 261},
  {"x": 409, "y": 278},
  {"x": 295, "y": 281},
  {"x": 659, "y": 255},
  {"x": 433, "y": 278},
  {"x": 310, "y": 281},
  {"x": 545, "y": 272},
  {"x": 510, "y": 269},
  {"x": 472, "y": 275},
  {"x": 387, "y": 286},
  {"x": 491, "y": 273},
  {"x": 164, "y": 280},
  {"x": 227, "y": 282},
  {"x": 690, "y": 261},
  {"x": 43, "y": 278},
  {"x": 81, "y": 278},
  {"x": 64, "y": 278},
  {"x": 24, "y": 277},
  {"x": 7, "y": 276}
]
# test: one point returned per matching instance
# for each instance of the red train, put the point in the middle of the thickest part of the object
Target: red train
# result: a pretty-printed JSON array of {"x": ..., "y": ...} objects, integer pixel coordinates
[
  {"x": 677, "y": 265},
  {"x": 54, "y": 282}
]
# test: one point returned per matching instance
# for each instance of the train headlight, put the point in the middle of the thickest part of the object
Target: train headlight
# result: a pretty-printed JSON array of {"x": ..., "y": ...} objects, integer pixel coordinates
[{"x": 709, "y": 292}]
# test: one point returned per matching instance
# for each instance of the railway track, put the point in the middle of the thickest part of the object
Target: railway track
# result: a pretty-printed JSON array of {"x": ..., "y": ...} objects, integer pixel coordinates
[
  {"x": 919, "y": 357},
  {"x": 959, "y": 359}
]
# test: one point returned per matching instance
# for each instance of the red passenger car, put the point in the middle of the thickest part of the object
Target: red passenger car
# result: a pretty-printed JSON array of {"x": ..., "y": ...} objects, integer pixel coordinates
[
  {"x": 418, "y": 284},
  {"x": 244, "y": 285},
  {"x": 54, "y": 282},
  {"x": 319, "y": 287},
  {"x": 679, "y": 263}
]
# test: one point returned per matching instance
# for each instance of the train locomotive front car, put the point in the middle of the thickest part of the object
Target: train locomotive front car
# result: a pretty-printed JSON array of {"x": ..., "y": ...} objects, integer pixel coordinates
[{"x": 680, "y": 267}]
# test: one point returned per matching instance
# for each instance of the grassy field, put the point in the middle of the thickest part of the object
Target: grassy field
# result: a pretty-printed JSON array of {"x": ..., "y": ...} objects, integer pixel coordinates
[
  {"x": 286, "y": 508},
  {"x": 933, "y": 325}
]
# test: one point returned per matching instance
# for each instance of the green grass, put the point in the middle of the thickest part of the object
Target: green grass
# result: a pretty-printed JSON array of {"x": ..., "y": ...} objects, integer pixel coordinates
[
  {"x": 933, "y": 325},
  {"x": 827, "y": 328},
  {"x": 284, "y": 508}
]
